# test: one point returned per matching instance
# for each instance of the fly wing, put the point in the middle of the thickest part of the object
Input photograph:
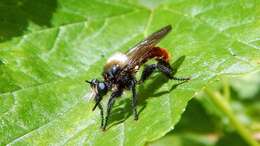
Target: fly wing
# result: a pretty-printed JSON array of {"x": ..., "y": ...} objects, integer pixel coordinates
[{"x": 137, "y": 54}]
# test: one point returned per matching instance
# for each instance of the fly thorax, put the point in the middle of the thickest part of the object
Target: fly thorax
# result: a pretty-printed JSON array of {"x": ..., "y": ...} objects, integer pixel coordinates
[
  {"x": 118, "y": 59},
  {"x": 114, "y": 65}
]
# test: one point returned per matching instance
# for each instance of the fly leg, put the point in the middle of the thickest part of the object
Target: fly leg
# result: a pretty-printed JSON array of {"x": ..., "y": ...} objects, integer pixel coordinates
[
  {"x": 101, "y": 114},
  {"x": 163, "y": 67},
  {"x": 134, "y": 98},
  {"x": 110, "y": 104},
  {"x": 166, "y": 69},
  {"x": 97, "y": 100}
]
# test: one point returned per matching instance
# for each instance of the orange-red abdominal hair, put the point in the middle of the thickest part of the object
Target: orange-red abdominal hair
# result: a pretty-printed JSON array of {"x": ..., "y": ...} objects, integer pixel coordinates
[{"x": 159, "y": 53}]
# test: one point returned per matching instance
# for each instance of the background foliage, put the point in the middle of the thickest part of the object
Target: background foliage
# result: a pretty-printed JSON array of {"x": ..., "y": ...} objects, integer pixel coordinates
[
  {"x": 49, "y": 47},
  {"x": 210, "y": 125}
]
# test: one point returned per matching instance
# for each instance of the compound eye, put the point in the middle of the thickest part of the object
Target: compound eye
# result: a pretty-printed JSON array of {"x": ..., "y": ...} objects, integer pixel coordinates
[{"x": 102, "y": 88}]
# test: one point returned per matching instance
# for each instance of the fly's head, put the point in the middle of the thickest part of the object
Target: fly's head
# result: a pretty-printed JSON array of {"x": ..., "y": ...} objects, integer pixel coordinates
[{"x": 99, "y": 88}]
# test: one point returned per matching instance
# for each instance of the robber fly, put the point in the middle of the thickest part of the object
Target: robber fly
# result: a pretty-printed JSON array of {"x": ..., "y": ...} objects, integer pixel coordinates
[{"x": 120, "y": 69}]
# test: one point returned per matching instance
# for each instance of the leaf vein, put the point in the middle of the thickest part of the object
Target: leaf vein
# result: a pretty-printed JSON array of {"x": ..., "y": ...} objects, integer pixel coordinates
[{"x": 211, "y": 26}]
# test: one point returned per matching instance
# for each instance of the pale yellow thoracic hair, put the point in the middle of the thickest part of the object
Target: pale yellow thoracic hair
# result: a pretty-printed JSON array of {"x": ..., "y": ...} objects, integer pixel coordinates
[{"x": 119, "y": 59}]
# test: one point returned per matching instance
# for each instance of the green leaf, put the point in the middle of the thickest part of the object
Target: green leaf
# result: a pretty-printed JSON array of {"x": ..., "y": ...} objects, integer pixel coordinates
[
  {"x": 49, "y": 47},
  {"x": 204, "y": 130},
  {"x": 183, "y": 140}
]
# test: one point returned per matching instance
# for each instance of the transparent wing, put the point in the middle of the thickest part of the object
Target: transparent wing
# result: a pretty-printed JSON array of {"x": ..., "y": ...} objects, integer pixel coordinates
[{"x": 138, "y": 53}]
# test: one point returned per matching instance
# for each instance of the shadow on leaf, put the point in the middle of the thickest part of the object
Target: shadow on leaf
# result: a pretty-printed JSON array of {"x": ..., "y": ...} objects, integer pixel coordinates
[{"x": 15, "y": 16}]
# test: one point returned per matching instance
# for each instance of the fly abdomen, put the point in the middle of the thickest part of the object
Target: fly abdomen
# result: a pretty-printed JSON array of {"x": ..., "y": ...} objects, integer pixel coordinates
[{"x": 159, "y": 54}]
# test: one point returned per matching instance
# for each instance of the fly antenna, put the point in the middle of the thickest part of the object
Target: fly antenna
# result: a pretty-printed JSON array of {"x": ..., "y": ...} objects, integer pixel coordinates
[{"x": 88, "y": 82}]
